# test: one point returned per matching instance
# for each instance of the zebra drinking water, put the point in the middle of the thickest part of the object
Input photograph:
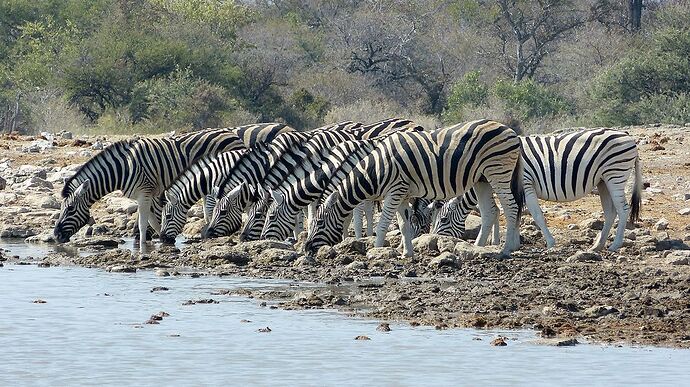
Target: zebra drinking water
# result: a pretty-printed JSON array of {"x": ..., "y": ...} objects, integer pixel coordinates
[{"x": 434, "y": 165}]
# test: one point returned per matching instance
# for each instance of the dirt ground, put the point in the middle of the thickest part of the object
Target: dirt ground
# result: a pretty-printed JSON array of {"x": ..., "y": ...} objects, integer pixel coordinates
[{"x": 639, "y": 295}]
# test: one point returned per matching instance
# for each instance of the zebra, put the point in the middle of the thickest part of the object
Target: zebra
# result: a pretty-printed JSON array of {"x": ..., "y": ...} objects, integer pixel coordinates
[
  {"x": 142, "y": 168},
  {"x": 238, "y": 189},
  {"x": 434, "y": 165},
  {"x": 272, "y": 164},
  {"x": 192, "y": 185},
  {"x": 566, "y": 167},
  {"x": 295, "y": 166}
]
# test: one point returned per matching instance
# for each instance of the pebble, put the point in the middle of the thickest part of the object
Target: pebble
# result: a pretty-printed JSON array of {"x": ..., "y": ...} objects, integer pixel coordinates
[
  {"x": 162, "y": 273},
  {"x": 499, "y": 342},
  {"x": 362, "y": 337},
  {"x": 384, "y": 327},
  {"x": 684, "y": 211},
  {"x": 122, "y": 269},
  {"x": 264, "y": 330},
  {"x": 584, "y": 256},
  {"x": 661, "y": 225}
]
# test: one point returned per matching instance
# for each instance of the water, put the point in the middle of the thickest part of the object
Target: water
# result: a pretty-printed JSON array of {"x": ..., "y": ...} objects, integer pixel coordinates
[{"x": 90, "y": 332}]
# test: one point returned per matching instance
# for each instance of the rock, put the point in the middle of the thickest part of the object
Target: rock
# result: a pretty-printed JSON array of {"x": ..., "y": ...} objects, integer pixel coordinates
[
  {"x": 466, "y": 251},
  {"x": 355, "y": 265},
  {"x": 386, "y": 253},
  {"x": 678, "y": 258},
  {"x": 162, "y": 273},
  {"x": 684, "y": 211},
  {"x": 584, "y": 256},
  {"x": 499, "y": 342},
  {"x": 98, "y": 145},
  {"x": 264, "y": 330},
  {"x": 592, "y": 224},
  {"x": 351, "y": 246},
  {"x": 686, "y": 196},
  {"x": 671, "y": 244},
  {"x": 273, "y": 255},
  {"x": 447, "y": 243},
  {"x": 661, "y": 225},
  {"x": 66, "y": 135},
  {"x": 100, "y": 241},
  {"x": 159, "y": 289},
  {"x": 31, "y": 170},
  {"x": 122, "y": 269},
  {"x": 3, "y": 183},
  {"x": 122, "y": 205},
  {"x": 44, "y": 237},
  {"x": 384, "y": 327},
  {"x": 34, "y": 183},
  {"x": 426, "y": 244},
  {"x": 258, "y": 247},
  {"x": 557, "y": 341},
  {"x": 326, "y": 253},
  {"x": 42, "y": 201},
  {"x": 445, "y": 259},
  {"x": 17, "y": 232},
  {"x": 231, "y": 255},
  {"x": 362, "y": 337},
  {"x": 599, "y": 311}
]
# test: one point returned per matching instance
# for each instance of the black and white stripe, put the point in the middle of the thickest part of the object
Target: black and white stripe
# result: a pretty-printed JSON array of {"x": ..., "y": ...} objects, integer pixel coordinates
[
  {"x": 441, "y": 164},
  {"x": 566, "y": 167},
  {"x": 142, "y": 168}
]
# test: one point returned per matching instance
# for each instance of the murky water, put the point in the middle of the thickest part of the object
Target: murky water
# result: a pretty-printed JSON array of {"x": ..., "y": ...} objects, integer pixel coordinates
[{"x": 90, "y": 332}]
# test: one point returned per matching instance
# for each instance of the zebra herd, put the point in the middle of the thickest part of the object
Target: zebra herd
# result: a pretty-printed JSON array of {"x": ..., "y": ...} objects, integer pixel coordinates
[{"x": 429, "y": 180}]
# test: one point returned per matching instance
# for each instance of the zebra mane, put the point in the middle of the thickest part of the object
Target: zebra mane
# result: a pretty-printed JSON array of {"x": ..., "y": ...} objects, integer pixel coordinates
[
  {"x": 340, "y": 173},
  {"x": 121, "y": 145},
  {"x": 260, "y": 147}
]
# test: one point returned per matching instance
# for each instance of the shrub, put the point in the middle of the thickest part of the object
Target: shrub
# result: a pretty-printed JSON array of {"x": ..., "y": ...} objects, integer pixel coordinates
[
  {"x": 179, "y": 100},
  {"x": 527, "y": 100},
  {"x": 468, "y": 92}
]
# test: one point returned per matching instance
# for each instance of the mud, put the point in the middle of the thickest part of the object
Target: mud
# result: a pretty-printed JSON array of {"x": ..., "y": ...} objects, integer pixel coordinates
[{"x": 639, "y": 295}]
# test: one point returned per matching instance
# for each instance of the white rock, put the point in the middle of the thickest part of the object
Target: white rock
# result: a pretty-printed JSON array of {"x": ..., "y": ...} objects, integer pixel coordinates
[
  {"x": 382, "y": 253},
  {"x": 684, "y": 211},
  {"x": 661, "y": 225},
  {"x": 678, "y": 257},
  {"x": 121, "y": 205},
  {"x": 34, "y": 183}
]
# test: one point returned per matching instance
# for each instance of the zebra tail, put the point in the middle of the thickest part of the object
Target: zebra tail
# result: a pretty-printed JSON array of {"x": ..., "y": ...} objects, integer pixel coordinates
[
  {"x": 637, "y": 192},
  {"x": 516, "y": 187}
]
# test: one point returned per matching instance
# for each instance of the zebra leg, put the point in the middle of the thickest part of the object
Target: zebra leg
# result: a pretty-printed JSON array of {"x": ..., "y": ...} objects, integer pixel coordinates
[
  {"x": 485, "y": 202},
  {"x": 369, "y": 213},
  {"x": 495, "y": 212},
  {"x": 532, "y": 204},
  {"x": 299, "y": 225},
  {"x": 511, "y": 211},
  {"x": 357, "y": 220},
  {"x": 404, "y": 215},
  {"x": 617, "y": 193},
  {"x": 609, "y": 216},
  {"x": 144, "y": 214},
  {"x": 390, "y": 207},
  {"x": 311, "y": 211}
]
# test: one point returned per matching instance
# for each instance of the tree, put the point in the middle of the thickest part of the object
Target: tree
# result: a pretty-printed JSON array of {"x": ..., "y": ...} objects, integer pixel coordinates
[{"x": 529, "y": 30}]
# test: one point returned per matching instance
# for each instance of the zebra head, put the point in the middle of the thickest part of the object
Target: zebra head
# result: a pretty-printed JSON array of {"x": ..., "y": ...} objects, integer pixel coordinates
[
  {"x": 226, "y": 218},
  {"x": 173, "y": 218},
  {"x": 280, "y": 218},
  {"x": 326, "y": 229},
  {"x": 74, "y": 212},
  {"x": 450, "y": 219},
  {"x": 422, "y": 214},
  {"x": 256, "y": 217}
]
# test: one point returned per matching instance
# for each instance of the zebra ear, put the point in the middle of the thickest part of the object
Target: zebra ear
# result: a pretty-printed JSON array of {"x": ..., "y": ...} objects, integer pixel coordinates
[
  {"x": 236, "y": 191},
  {"x": 83, "y": 188},
  {"x": 435, "y": 205},
  {"x": 170, "y": 198},
  {"x": 331, "y": 200},
  {"x": 277, "y": 197}
]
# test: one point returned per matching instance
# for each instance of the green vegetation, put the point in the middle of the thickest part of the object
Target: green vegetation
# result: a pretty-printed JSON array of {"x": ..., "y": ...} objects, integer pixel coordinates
[{"x": 160, "y": 65}]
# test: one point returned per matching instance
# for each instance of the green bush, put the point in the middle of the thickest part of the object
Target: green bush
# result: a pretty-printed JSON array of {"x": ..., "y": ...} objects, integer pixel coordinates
[
  {"x": 527, "y": 100},
  {"x": 179, "y": 100},
  {"x": 468, "y": 92}
]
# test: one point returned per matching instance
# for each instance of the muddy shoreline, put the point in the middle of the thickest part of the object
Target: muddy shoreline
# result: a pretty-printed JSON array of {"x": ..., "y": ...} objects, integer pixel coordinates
[{"x": 639, "y": 295}]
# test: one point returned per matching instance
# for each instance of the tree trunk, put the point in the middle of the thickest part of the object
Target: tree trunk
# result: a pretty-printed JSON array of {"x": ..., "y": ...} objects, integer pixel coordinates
[{"x": 635, "y": 15}]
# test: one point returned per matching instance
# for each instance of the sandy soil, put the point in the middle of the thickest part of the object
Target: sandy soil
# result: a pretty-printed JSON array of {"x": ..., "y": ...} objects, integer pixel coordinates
[{"x": 640, "y": 294}]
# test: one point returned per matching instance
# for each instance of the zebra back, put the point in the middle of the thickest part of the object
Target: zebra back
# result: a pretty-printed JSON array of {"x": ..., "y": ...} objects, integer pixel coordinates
[{"x": 324, "y": 137}]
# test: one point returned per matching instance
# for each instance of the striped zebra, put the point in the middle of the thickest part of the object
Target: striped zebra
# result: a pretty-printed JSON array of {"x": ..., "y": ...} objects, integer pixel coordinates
[
  {"x": 142, "y": 168},
  {"x": 567, "y": 167},
  {"x": 191, "y": 186},
  {"x": 272, "y": 165},
  {"x": 310, "y": 158},
  {"x": 235, "y": 194},
  {"x": 433, "y": 165}
]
